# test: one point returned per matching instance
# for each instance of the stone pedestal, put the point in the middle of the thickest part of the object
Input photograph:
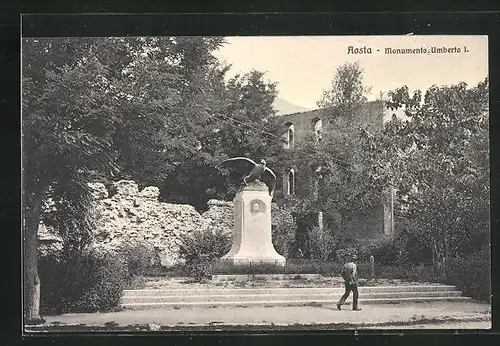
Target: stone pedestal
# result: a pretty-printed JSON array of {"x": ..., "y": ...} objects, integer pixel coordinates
[{"x": 252, "y": 242}]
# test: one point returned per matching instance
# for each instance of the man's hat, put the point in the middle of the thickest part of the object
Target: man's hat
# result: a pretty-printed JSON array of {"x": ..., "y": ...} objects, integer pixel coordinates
[{"x": 354, "y": 257}]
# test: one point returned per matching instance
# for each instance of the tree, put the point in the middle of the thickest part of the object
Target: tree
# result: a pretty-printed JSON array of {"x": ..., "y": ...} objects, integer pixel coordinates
[
  {"x": 439, "y": 161},
  {"x": 99, "y": 107},
  {"x": 343, "y": 172},
  {"x": 347, "y": 93},
  {"x": 338, "y": 162},
  {"x": 239, "y": 121},
  {"x": 58, "y": 138}
]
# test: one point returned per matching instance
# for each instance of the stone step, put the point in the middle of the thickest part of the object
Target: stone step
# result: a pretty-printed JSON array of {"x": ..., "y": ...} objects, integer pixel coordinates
[
  {"x": 332, "y": 302},
  {"x": 279, "y": 297},
  {"x": 285, "y": 290}
]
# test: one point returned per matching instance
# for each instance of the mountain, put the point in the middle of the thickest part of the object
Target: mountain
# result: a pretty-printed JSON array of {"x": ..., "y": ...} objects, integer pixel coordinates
[{"x": 285, "y": 107}]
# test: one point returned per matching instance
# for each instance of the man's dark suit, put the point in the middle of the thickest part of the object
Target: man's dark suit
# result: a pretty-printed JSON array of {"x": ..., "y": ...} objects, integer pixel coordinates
[{"x": 350, "y": 275}]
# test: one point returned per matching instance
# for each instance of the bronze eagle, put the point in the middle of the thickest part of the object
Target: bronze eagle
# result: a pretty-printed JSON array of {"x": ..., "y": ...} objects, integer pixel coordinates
[{"x": 257, "y": 171}]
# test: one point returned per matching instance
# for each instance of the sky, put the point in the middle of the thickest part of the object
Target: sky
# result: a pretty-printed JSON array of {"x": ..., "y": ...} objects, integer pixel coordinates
[{"x": 303, "y": 66}]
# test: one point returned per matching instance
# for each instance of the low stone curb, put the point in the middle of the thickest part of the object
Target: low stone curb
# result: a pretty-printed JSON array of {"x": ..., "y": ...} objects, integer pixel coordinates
[{"x": 252, "y": 277}]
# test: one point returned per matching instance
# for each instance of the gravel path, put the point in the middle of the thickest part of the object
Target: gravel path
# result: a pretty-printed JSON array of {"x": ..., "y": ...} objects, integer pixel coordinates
[{"x": 421, "y": 315}]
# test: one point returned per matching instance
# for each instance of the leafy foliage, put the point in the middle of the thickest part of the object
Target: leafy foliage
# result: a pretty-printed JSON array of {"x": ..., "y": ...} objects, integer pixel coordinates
[
  {"x": 322, "y": 244},
  {"x": 237, "y": 120},
  {"x": 139, "y": 258},
  {"x": 337, "y": 166},
  {"x": 471, "y": 274},
  {"x": 200, "y": 248},
  {"x": 283, "y": 230},
  {"x": 347, "y": 93},
  {"x": 156, "y": 110},
  {"x": 439, "y": 161},
  {"x": 88, "y": 281}
]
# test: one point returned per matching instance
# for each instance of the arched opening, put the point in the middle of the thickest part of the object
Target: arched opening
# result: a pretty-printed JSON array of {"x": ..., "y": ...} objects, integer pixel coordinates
[
  {"x": 289, "y": 136},
  {"x": 291, "y": 182},
  {"x": 318, "y": 130}
]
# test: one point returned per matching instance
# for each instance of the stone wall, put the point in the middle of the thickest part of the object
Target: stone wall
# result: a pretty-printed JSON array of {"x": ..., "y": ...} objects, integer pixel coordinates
[
  {"x": 219, "y": 216},
  {"x": 132, "y": 216}
]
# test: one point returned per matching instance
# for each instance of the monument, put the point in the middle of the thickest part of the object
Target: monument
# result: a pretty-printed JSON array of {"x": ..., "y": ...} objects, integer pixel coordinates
[{"x": 252, "y": 239}]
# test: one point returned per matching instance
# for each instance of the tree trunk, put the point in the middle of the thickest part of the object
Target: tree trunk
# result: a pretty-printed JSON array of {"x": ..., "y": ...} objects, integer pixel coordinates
[
  {"x": 343, "y": 223},
  {"x": 31, "y": 279},
  {"x": 433, "y": 248},
  {"x": 437, "y": 255}
]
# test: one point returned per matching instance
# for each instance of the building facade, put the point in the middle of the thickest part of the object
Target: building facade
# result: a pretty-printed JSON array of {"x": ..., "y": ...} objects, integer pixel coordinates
[{"x": 297, "y": 181}]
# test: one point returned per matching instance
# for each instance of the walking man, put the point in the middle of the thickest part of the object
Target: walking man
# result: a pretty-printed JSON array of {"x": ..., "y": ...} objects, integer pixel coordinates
[{"x": 350, "y": 275}]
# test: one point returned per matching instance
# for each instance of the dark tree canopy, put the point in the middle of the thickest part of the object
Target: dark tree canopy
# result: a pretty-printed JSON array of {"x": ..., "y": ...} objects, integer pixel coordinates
[{"x": 158, "y": 110}]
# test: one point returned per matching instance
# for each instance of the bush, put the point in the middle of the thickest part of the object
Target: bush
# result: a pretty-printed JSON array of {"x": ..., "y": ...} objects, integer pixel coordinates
[
  {"x": 141, "y": 259},
  {"x": 200, "y": 249},
  {"x": 344, "y": 254},
  {"x": 325, "y": 268},
  {"x": 322, "y": 245},
  {"x": 384, "y": 250},
  {"x": 283, "y": 230},
  {"x": 89, "y": 281},
  {"x": 471, "y": 275},
  {"x": 412, "y": 247},
  {"x": 409, "y": 272}
]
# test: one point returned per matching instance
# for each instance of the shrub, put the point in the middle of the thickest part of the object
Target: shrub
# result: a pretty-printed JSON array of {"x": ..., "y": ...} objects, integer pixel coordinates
[
  {"x": 322, "y": 245},
  {"x": 471, "y": 274},
  {"x": 412, "y": 247},
  {"x": 344, "y": 254},
  {"x": 390, "y": 272},
  {"x": 199, "y": 250},
  {"x": 383, "y": 250},
  {"x": 141, "y": 259},
  {"x": 283, "y": 230},
  {"x": 87, "y": 281},
  {"x": 409, "y": 272}
]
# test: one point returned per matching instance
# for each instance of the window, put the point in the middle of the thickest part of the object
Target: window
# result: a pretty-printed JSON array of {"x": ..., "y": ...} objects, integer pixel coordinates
[
  {"x": 318, "y": 130},
  {"x": 289, "y": 136},
  {"x": 291, "y": 182}
]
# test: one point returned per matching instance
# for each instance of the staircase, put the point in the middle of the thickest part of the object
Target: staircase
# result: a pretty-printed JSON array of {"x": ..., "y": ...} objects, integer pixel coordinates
[{"x": 222, "y": 297}]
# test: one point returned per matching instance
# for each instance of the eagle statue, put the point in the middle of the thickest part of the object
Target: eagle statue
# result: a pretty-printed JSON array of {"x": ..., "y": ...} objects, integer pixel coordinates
[{"x": 257, "y": 171}]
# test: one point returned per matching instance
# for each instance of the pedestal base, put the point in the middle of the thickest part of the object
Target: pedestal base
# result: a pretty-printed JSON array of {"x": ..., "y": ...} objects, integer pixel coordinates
[
  {"x": 252, "y": 242},
  {"x": 278, "y": 261}
]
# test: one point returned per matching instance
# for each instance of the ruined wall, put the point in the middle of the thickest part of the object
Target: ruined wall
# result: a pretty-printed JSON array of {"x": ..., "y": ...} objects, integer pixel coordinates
[
  {"x": 219, "y": 216},
  {"x": 371, "y": 116},
  {"x": 133, "y": 216}
]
